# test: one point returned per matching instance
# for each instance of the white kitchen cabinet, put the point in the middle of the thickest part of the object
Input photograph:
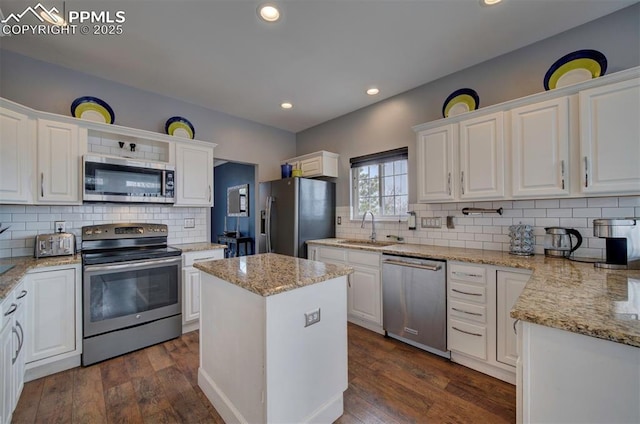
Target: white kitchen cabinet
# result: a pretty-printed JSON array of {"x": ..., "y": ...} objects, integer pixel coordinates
[
  {"x": 194, "y": 174},
  {"x": 52, "y": 314},
  {"x": 12, "y": 337},
  {"x": 610, "y": 138},
  {"x": 509, "y": 286},
  {"x": 436, "y": 153},
  {"x": 462, "y": 161},
  {"x": 191, "y": 286},
  {"x": 364, "y": 288},
  {"x": 573, "y": 378},
  {"x": 60, "y": 149},
  {"x": 17, "y": 153},
  {"x": 312, "y": 253},
  {"x": 482, "y": 157},
  {"x": 540, "y": 149},
  {"x": 317, "y": 164}
]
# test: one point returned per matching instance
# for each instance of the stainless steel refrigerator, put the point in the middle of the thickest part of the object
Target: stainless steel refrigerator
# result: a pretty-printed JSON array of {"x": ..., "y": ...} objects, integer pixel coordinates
[{"x": 294, "y": 210}]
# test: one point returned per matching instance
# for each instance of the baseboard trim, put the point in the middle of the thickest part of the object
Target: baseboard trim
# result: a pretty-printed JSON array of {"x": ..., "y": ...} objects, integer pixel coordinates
[
  {"x": 329, "y": 412},
  {"x": 220, "y": 402},
  {"x": 474, "y": 364},
  {"x": 365, "y": 324},
  {"x": 33, "y": 370}
]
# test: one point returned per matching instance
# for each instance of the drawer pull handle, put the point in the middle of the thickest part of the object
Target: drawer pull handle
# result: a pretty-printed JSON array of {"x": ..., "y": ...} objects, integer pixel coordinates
[
  {"x": 466, "y": 274},
  {"x": 11, "y": 310},
  {"x": 22, "y": 294},
  {"x": 467, "y": 312},
  {"x": 467, "y": 332},
  {"x": 515, "y": 329},
  {"x": 463, "y": 292}
]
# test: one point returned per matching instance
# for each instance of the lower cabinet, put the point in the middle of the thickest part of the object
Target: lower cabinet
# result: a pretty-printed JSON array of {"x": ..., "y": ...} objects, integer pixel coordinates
[
  {"x": 12, "y": 337},
  {"x": 191, "y": 286},
  {"x": 480, "y": 332},
  {"x": 53, "y": 330},
  {"x": 509, "y": 285},
  {"x": 364, "y": 290}
]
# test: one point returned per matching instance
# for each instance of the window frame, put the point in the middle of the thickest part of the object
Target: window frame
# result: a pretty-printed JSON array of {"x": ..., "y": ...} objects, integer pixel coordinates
[{"x": 379, "y": 160}]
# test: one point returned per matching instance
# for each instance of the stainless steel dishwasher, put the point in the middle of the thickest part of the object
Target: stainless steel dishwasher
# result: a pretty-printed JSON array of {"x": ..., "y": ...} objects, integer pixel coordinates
[{"x": 414, "y": 302}]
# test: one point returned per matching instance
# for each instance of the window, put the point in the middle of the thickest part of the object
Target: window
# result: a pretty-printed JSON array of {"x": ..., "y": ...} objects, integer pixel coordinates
[{"x": 380, "y": 184}]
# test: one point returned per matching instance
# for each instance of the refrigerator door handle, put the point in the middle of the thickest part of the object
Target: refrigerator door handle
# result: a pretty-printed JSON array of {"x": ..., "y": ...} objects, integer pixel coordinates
[{"x": 268, "y": 223}]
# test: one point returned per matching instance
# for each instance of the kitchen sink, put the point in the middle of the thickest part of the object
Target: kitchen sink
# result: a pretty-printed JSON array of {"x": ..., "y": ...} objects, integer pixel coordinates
[{"x": 368, "y": 243}]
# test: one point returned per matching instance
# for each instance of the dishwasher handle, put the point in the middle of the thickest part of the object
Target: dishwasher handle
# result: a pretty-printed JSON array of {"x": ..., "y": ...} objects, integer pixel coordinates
[{"x": 412, "y": 265}]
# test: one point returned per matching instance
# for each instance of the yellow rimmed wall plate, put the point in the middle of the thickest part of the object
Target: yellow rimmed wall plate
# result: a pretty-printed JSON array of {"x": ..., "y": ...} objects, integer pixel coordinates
[
  {"x": 179, "y": 127},
  {"x": 575, "y": 67},
  {"x": 92, "y": 109},
  {"x": 460, "y": 101}
]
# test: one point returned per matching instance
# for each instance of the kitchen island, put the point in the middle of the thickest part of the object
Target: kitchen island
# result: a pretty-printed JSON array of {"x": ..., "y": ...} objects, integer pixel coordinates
[{"x": 273, "y": 338}]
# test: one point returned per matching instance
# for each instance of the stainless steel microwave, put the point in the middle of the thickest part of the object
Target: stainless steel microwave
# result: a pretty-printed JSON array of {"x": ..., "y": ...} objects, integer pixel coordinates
[{"x": 114, "y": 179}]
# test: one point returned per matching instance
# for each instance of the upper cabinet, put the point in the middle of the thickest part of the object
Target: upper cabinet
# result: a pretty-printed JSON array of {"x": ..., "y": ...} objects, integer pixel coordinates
[
  {"x": 462, "y": 161},
  {"x": 194, "y": 174},
  {"x": 610, "y": 138},
  {"x": 17, "y": 153},
  {"x": 482, "y": 157},
  {"x": 436, "y": 150},
  {"x": 60, "y": 149},
  {"x": 575, "y": 141},
  {"x": 318, "y": 164},
  {"x": 540, "y": 149}
]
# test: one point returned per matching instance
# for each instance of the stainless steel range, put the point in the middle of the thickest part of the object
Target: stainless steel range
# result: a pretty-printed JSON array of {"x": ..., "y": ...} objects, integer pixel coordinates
[{"x": 131, "y": 289}]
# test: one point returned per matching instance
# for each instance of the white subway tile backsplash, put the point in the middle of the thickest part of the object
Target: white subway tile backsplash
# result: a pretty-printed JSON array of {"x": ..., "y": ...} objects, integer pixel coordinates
[
  {"x": 617, "y": 212},
  {"x": 492, "y": 231},
  {"x": 27, "y": 221}
]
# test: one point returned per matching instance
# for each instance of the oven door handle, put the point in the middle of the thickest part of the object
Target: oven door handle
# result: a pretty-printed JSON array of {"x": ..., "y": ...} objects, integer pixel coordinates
[{"x": 95, "y": 268}]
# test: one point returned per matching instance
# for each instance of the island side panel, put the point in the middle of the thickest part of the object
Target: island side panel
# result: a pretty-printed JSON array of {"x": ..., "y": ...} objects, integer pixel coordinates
[
  {"x": 232, "y": 353},
  {"x": 570, "y": 377},
  {"x": 306, "y": 370}
]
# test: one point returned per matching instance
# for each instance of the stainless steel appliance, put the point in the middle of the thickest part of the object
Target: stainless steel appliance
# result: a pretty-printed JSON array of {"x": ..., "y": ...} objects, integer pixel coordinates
[
  {"x": 57, "y": 244},
  {"x": 622, "y": 242},
  {"x": 113, "y": 179},
  {"x": 295, "y": 210},
  {"x": 558, "y": 242},
  {"x": 414, "y": 306},
  {"x": 131, "y": 289}
]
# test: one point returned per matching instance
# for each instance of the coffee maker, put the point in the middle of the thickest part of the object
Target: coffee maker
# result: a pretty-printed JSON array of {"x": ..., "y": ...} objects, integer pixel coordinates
[{"x": 622, "y": 236}]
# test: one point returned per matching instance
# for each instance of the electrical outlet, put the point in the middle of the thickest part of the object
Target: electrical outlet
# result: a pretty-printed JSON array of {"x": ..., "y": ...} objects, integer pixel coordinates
[
  {"x": 189, "y": 223},
  {"x": 60, "y": 227},
  {"x": 312, "y": 317},
  {"x": 430, "y": 222},
  {"x": 339, "y": 220}
]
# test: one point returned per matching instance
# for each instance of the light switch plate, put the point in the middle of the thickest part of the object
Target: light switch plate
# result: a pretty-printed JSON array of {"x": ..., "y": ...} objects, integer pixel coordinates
[{"x": 426, "y": 222}]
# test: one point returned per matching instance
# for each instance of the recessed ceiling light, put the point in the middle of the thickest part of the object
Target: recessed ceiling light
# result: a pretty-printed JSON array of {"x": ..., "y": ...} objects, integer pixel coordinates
[
  {"x": 373, "y": 91},
  {"x": 489, "y": 2},
  {"x": 53, "y": 18},
  {"x": 268, "y": 12},
  {"x": 286, "y": 105}
]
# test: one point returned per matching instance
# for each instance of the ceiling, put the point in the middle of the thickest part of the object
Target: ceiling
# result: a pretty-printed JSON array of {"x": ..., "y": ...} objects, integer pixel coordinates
[{"x": 321, "y": 56}]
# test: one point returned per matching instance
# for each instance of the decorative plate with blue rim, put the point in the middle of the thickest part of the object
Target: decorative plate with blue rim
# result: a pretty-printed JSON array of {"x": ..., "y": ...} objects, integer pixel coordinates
[
  {"x": 460, "y": 101},
  {"x": 179, "y": 127},
  {"x": 92, "y": 109},
  {"x": 575, "y": 67}
]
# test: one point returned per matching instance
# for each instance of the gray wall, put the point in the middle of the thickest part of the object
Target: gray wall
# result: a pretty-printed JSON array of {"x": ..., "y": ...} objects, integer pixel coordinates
[
  {"x": 387, "y": 124},
  {"x": 52, "y": 88}
]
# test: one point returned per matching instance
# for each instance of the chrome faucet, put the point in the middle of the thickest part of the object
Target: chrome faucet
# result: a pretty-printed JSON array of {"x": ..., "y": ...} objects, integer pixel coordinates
[{"x": 373, "y": 225}]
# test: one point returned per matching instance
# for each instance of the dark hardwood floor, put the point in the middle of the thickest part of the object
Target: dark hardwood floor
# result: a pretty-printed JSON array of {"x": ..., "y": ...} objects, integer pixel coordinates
[{"x": 389, "y": 382}]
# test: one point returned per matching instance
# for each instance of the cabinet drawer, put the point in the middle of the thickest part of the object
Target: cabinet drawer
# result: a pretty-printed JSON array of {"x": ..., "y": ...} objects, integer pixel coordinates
[
  {"x": 363, "y": 258},
  {"x": 467, "y": 338},
  {"x": 468, "y": 311},
  {"x": 470, "y": 273},
  {"x": 468, "y": 292},
  {"x": 332, "y": 254},
  {"x": 311, "y": 167},
  {"x": 204, "y": 255}
]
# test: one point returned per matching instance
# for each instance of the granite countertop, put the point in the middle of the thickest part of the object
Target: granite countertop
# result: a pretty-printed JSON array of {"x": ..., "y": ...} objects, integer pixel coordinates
[
  {"x": 196, "y": 247},
  {"x": 562, "y": 294},
  {"x": 268, "y": 274},
  {"x": 21, "y": 265}
]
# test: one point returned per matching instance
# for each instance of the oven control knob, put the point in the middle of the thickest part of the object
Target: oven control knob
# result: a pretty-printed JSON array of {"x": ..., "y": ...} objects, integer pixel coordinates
[
  {"x": 140, "y": 230},
  {"x": 97, "y": 231},
  {"x": 138, "y": 316},
  {"x": 88, "y": 232},
  {"x": 164, "y": 230}
]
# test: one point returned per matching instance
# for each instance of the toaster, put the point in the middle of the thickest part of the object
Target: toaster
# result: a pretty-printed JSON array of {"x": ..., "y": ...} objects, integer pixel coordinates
[{"x": 56, "y": 244}]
